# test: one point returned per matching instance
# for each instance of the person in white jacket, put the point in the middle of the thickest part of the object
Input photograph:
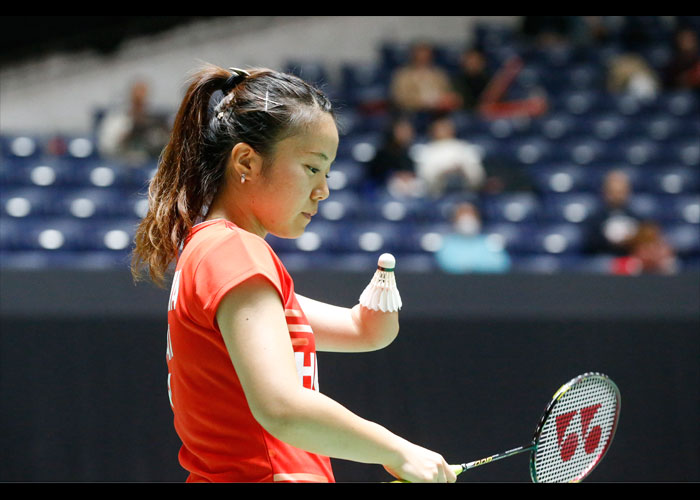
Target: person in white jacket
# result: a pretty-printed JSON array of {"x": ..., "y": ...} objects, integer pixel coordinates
[{"x": 446, "y": 155}]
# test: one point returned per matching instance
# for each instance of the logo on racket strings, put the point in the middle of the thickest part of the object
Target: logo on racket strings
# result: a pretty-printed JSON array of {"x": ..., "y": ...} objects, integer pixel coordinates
[{"x": 568, "y": 443}]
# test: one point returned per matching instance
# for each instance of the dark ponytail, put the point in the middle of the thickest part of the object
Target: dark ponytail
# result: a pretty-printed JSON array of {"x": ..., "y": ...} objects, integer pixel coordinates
[{"x": 220, "y": 109}]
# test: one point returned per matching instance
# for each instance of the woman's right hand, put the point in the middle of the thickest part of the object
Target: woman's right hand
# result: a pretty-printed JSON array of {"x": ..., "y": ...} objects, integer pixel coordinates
[{"x": 420, "y": 465}]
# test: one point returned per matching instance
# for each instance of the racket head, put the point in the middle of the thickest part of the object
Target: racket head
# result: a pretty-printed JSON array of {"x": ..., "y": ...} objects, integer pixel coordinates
[{"x": 576, "y": 429}]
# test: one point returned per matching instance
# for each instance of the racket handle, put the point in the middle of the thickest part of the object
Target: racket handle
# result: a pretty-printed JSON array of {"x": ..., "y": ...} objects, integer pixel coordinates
[
  {"x": 492, "y": 458},
  {"x": 457, "y": 469}
]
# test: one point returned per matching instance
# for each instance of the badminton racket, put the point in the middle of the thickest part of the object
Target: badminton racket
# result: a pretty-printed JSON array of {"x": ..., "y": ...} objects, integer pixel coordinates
[{"x": 573, "y": 435}]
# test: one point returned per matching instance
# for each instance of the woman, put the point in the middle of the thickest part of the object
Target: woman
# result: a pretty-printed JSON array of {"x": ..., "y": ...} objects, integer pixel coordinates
[{"x": 241, "y": 344}]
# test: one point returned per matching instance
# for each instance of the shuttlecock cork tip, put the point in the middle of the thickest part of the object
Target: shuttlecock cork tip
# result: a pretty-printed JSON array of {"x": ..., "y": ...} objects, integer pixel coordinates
[{"x": 387, "y": 261}]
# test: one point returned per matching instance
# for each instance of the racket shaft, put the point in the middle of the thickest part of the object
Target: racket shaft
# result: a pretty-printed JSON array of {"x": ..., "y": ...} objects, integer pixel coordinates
[{"x": 483, "y": 461}]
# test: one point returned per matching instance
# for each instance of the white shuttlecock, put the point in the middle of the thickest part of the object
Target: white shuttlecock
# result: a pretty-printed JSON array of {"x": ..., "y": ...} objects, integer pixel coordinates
[{"x": 382, "y": 294}]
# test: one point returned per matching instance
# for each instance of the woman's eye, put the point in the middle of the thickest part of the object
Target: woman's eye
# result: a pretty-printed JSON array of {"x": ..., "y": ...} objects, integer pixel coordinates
[{"x": 313, "y": 169}]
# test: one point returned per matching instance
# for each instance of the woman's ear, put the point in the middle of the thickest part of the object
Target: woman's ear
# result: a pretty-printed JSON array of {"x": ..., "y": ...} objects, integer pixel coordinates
[{"x": 244, "y": 161}]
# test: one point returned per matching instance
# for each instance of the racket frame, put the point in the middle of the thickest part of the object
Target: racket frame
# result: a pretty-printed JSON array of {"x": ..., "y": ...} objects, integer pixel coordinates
[
  {"x": 550, "y": 407},
  {"x": 532, "y": 446}
]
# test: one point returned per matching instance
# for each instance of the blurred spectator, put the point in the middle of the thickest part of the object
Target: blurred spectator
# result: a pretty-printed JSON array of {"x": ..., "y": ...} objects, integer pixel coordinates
[
  {"x": 612, "y": 230},
  {"x": 393, "y": 166},
  {"x": 446, "y": 157},
  {"x": 472, "y": 77},
  {"x": 630, "y": 74},
  {"x": 421, "y": 85},
  {"x": 683, "y": 70},
  {"x": 649, "y": 253},
  {"x": 135, "y": 133},
  {"x": 467, "y": 250}
]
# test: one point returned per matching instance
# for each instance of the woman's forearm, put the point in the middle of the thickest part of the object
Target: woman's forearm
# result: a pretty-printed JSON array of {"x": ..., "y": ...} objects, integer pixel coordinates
[
  {"x": 311, "y": 421},
  {"x": 378, "y": 328}
]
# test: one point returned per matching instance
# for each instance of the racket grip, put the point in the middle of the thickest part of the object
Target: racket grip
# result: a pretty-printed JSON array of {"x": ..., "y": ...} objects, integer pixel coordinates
[{"x": 457, "y": 469}]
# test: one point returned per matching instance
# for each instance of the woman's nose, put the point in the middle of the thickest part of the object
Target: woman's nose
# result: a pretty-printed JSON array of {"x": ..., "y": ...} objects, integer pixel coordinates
[{"x": 321, "y": 192}]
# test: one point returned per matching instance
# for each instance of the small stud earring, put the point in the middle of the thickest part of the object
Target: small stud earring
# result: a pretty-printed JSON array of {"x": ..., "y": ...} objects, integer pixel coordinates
[{"x": 242, "y": 178}]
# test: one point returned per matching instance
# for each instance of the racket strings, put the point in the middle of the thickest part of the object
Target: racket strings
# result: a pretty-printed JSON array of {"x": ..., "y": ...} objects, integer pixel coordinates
[{"x": 577, "y": 432}]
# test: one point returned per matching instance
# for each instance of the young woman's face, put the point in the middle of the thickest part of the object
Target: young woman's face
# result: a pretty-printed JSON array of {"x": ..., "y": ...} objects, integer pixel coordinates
[{"x": 287, "y": 196}]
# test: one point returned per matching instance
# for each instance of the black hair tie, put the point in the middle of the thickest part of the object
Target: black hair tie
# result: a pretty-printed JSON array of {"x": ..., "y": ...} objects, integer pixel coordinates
[{"x": 237, "y": 76}]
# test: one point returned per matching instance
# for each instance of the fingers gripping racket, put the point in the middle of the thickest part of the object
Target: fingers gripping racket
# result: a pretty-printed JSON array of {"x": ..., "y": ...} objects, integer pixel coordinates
[{"x": 574, "y": 433}]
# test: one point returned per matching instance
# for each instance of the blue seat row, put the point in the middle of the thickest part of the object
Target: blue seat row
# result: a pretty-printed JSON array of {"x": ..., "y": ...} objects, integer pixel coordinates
[
  {"x": 558, "y": 203},
  {"x": 553, "y": 238},
  {"x": 79, "y": 202},
  {"x": 67, "y": 234},
  {"x": 50, "y": 171}
]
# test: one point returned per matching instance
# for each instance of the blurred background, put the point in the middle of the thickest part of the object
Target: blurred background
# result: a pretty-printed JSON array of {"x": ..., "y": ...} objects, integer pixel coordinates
[{"x": 536, "y": 177}]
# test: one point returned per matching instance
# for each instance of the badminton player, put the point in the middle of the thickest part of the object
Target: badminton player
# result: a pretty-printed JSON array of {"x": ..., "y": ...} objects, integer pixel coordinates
[{"x": 249, "y": 155}]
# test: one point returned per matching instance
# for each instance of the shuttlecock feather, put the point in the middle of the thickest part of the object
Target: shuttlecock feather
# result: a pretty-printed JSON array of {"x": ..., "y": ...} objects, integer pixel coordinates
[{"x": 381, "y": 294}]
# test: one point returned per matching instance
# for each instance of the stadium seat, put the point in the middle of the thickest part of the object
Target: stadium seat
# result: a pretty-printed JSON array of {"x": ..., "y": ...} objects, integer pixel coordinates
[
  {"x": 138, "y": 178},
  {"x": 90, "y": 203},
  {"x": 51, "y": 234},
  {"x": 561, "y": 126},
  {"x": 685, "y": 152},
  {"x": 580, "y": 103},
  {"x": 532, "y": 150},
  {"x": 511, "y": 207},
  {"x": 537, "y": 264},
  {"x": 584, "y": 76},
  {"x": 560, "y": 178},
  {"x": 20, "y": 147},
  {"x": 394, "y": 54},
  {"x": 610, "y": 126},
  {"x": 388, "y": 207},
  {"x": 110, "y": 235},
  {"x": 678, "y": 103},
  {"x": 557, "y": 239},
  {"x": 684, "y": 238},
  {"x": 344, "y": 205},
  {"x": 17, "y": 259},
  {"x": 10, "y": 230},
  {"x": 428, "y": 237},
  {"x": 572, "y": 208},
  {"x": 58, "y": 259},
  {"x": 587, "y": 151},
  {"x": 513, "y": 237},
  {"x": 29, "y": 201},
  {"x": 103, "y": 174},
  {"x": 639, "y": 152},
  {"x": 319, "y": 237},
  {"x": 359, "y": 148},
  {"x": 347, "y": 174},
  {"x": 41, "y": 172},
  {"x": 672, "y": 180},
  {"x": 81, "y": 148},
  {"x": 376, "y": 237},
  {"x": 356, "y": 77},
  {"x": 663, "y": 127},
  {"x": 648, "y": 206},
  {"x": 684, "y": 208}
]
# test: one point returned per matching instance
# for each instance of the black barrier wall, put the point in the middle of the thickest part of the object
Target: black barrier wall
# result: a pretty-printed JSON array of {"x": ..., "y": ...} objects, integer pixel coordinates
[{"x": 83, "y": 377}]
